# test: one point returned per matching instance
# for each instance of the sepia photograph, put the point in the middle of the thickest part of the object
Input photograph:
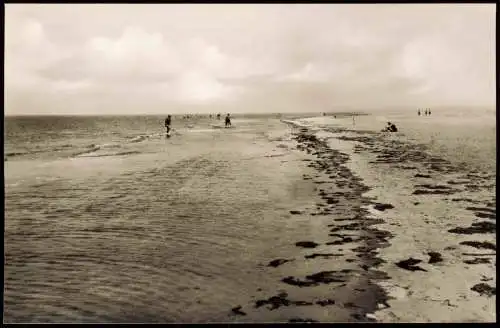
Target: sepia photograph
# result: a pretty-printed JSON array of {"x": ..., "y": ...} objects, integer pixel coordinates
[{"x": 249, "y": 163}]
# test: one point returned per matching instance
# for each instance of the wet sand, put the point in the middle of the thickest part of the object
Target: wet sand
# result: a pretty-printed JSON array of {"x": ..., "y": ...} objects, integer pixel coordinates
[
  {"x": 234, "y": 231},
  {"x": 333, "y": 276},
  {"x": 402, "y": 236}
]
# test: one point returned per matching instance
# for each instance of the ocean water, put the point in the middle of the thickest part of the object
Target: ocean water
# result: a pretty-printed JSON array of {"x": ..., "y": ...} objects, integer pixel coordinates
[{"x": 106, "y": 220}]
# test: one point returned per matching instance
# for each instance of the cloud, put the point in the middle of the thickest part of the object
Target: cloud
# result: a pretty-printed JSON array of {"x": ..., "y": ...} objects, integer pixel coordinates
[
  {"x": 190, "y": 72},
  {"x": 288, "y": 56}
]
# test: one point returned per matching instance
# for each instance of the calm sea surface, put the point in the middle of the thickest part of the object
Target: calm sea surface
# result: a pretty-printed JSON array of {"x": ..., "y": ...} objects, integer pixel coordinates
[{"x": 106, "y": 220}]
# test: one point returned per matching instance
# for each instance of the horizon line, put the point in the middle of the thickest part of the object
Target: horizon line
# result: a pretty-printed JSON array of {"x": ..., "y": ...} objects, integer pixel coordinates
[{"x": 336, "y": 111}]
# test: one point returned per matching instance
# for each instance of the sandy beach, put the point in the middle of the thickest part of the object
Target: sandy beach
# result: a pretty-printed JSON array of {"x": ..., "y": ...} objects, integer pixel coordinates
[
  {"x": 426, "y": 231},
  {"x": 440, "y": 217}
]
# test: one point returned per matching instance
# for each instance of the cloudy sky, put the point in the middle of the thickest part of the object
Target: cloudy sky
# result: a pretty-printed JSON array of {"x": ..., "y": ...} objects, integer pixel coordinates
[{"x": 152, "y": 58}]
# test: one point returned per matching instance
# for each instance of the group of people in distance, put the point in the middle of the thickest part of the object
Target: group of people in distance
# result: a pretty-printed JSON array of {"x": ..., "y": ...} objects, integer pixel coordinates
[
  {"x": 168, "y": 121},
  {"x": 427, "y": 112},
  {"x": 392, "y": 128}
]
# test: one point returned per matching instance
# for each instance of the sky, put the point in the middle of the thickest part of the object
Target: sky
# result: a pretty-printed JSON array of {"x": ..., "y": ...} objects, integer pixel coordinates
[{"x": 92, "y": 59}]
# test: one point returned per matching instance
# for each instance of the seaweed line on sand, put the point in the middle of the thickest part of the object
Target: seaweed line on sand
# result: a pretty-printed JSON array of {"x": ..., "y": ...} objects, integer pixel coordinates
[{"x": 332, "y": 162}]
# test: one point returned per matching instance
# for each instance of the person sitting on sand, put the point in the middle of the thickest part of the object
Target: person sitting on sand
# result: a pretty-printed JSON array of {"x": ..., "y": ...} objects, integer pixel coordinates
[
  {"x": 228, "y": 120},
  {"x": 390, "y": 128}
]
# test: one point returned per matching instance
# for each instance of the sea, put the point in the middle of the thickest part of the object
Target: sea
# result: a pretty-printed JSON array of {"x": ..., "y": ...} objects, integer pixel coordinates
[{"x": 108, "y": 220}]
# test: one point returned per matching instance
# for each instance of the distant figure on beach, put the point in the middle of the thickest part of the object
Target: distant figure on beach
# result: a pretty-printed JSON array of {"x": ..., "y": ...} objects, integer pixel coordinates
[
  {"x": 228, "y": 120},
  {"x": 429, "y": 111},
  {"x": 391, "y": 127},
  {"x": 168, "y": 120},
  {"x": 425, "y": 112},
  {"x": 419, "y": 112},
  {"x": 218, "y": 116}
]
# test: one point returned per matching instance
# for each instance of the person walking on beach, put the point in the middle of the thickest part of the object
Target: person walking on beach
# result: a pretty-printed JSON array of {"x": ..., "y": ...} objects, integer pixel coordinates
[
  {"x": 419, "y": 112},
  {"x": 168, "y": 120},
  {"x": 429, "y": 111},
  {"x": 228, "y": 121}
]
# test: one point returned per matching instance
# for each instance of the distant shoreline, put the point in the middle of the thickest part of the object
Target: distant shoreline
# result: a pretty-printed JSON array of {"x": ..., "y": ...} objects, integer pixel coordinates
[
  {"x": 358, "y": 111},
  {"x": 299, "y": 114}
]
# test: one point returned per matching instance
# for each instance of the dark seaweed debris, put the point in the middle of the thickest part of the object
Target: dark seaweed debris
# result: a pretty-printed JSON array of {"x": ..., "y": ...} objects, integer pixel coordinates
[
  {"x": 306, "y": 244},
  {"x": 435, "y": 257},
  {"x": 278, "y": 262},
  {"x": 237, "y": 310},
  {"x": 486, "y": 216},
  {"x": 484, "y": 289},
  {"x": 278, "y": 301},
  {"x": 297, "y": 282},
  {"x": 325, "y": 302},
  {"x": 477, "y": 260},
  {"x": 324, "y": 277},
  {"x": 477, "y": 227},
  {"x": 326, "y": 255},
  {"x": 410, "y": 264},
  {"x": 382, "y": 207},
  {"x": 477, "y": 244},
  {"x": 293, "y": 320}
]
